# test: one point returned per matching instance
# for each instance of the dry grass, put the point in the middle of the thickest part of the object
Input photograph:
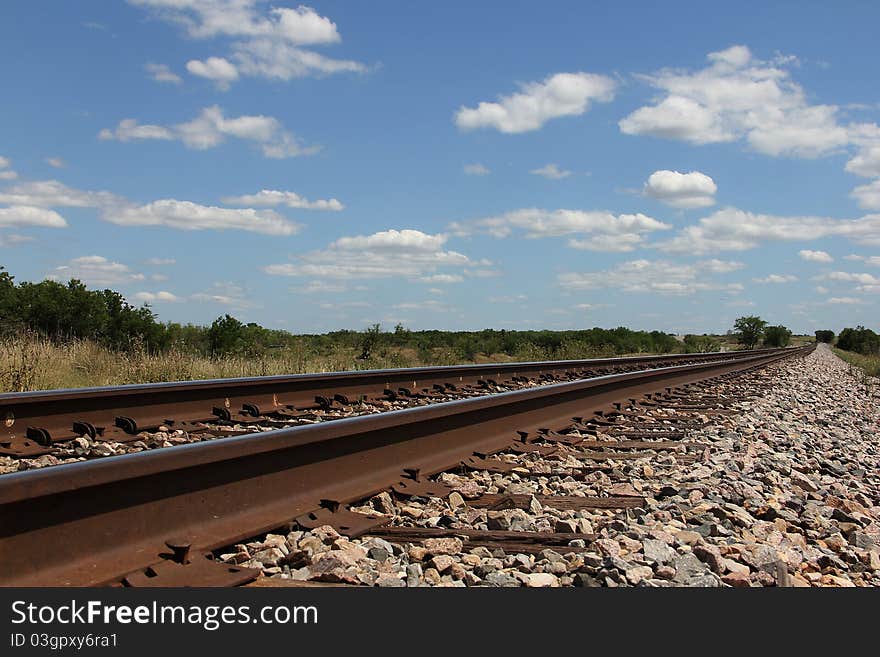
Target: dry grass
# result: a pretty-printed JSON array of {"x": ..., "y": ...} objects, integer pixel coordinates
[
  {"x": 29, "y": 362},
  {"x": 869, "y": 364}
]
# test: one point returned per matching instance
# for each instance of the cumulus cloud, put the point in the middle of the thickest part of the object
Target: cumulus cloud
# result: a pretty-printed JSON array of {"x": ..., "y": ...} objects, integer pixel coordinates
[
  {"x": 11, "y": 239},
  {"x": 217, "y": 69},
  {"x": 681, "y": 190},
  {"x": 551, "y": 171},
  {"x": 161, "y": 73},
  {"x": 25, "y": 215},
  {"x": 409, "y": 254},
  {"x": 476, "y": 169},
  {"x": 269, "y": 42},
  {"x": 51, "y": 193},
  {"x": 160, "y": 262},
  {"x": 608, "y": 232},
  {"x": 654, "y": 276},
  {"x": 868, "y": 196},
  {"x": 873, "y": 261},
  {"x": 290, "y": 199},
  {"x": 55, "y": 162},
  {"x": 562, "y": 94},
  {"x": 731, "y": 229},
  {"x": 38, "y": 196},
  {"x": 739, "y": 97},
  {"x": 850, "y": 301},
  {"x": 211, "y": 128},
  {"x": 5, "y": 172},
  {"x": 815, "y": 256},
  {"x": 776, "y": 278},
  {"x": 185, "y": 215},
  {"x": 96, "y": 270},
  {"x": 161, "y": 296}
]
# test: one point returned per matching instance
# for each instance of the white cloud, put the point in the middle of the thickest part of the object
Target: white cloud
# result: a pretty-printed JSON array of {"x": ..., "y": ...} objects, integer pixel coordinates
[
  {"x": 290, "y": 199},
  {"x": 5, "y": 172},
  {"x": 442, "y": 278},
  {"x": 96, "y": 270},
  {"x": 153, "y": 297},
  {"x": 218, "y": 69},
  {"x": 821, "y": 289},
  {"x": 868, "y": 196},
  {"x": 551, "y": 172},
  {"x": 55, "y": 162},
  {"x": 409, "y": 254},
  {"x": 720, "y": 266},
  {"x": 160, "y": 262},
  {"x": 815, "y": 256},
  {"x": 36, "y": 196},
  {"x": 852, "y": 301},
  {"x": 608, "y": 232},
  {"x": 654, "y": 276},
  {"x": 186, "y": 215},
  {"x": 25, "y": 215},
  {"x": 562, "y": 94},
  {"x": 225, "y": 294},
  {"x": 739, "y": 97},
  {"x": 266, "y": 42},
  {"x": 862, "y": 279},
  {"x": 476, "y": 169},
  {"x": 681, "y": 190},
  {"x": 161, "y": 73},
  {"x": 51, "y": 193},
  {"x": 211, "y": 128},
  {"x": 873, "y": 261},
  {"x": 130, "y": 129},
  {"x": 866, "y": 163},
  {"x": 776, "y": 278},
  {"x": 731, "y": 229}
]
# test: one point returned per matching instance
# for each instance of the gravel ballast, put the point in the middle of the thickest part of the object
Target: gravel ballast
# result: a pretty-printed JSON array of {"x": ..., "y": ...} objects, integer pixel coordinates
[{"x": 786, "y": 492}]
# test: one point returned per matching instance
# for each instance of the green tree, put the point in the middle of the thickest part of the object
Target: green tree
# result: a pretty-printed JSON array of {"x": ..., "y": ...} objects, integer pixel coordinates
[
  {"x": 370, "y": 339},
  {"x": 225, "y": 335},
  {"x": 860, "y": 340},
  {"x": 776, "y": 336},
  {"x": 749, "y": 330},
  {"x": 825, "y": 336}
]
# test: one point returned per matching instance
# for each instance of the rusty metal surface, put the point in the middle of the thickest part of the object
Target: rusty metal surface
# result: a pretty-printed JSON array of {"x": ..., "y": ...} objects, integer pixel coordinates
[
  {"x": 118, "y": 413},
  {"x": 95, "y": 522}
]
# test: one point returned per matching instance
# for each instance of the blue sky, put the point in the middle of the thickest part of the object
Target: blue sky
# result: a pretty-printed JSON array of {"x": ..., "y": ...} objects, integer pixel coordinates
[{"x": 457, "y": 166}]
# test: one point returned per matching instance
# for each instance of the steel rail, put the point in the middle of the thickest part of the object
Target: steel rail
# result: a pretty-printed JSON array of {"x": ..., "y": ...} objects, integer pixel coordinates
[
  {"x": 93, "y": 522},
  {"x": 49, "y": 416}
]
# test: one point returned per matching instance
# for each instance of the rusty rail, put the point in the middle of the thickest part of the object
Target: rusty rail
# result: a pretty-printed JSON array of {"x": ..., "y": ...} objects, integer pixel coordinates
[
  {"x": 111, "y": 520},
  {"x": 31, "y": 422}
]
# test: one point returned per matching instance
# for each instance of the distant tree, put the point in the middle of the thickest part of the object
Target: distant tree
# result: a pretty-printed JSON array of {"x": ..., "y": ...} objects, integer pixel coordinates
[
  {"x": 225, "y": 335},
  {"x": 749, "y": 330},
  {"x": 776, "y": 336},
  {"x": 860, "y": 339},
  {"x": 825, "y": 336},
  {"x": 370, "y": 339}
]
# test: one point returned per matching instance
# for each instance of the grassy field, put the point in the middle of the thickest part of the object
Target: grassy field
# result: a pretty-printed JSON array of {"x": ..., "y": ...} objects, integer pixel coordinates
[
  {"x": 870, "y": 364},
  {"x": 33, "y": 363}
]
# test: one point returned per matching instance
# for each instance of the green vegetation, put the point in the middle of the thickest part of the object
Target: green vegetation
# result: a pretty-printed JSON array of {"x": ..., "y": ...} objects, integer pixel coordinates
[
  {"x": 825, "y": 336},
  {"x": 749, "y": 331},
  {"x": 776, "y": 336},
  {"x": 860, "y": 340},
  {"x": 57, "y": 335}
]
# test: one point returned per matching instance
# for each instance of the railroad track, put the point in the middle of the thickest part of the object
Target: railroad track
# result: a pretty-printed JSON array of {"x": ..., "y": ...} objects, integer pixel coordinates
[
  {"x": 95, "y": 422},
  {"x": 164, "y": 517}
]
